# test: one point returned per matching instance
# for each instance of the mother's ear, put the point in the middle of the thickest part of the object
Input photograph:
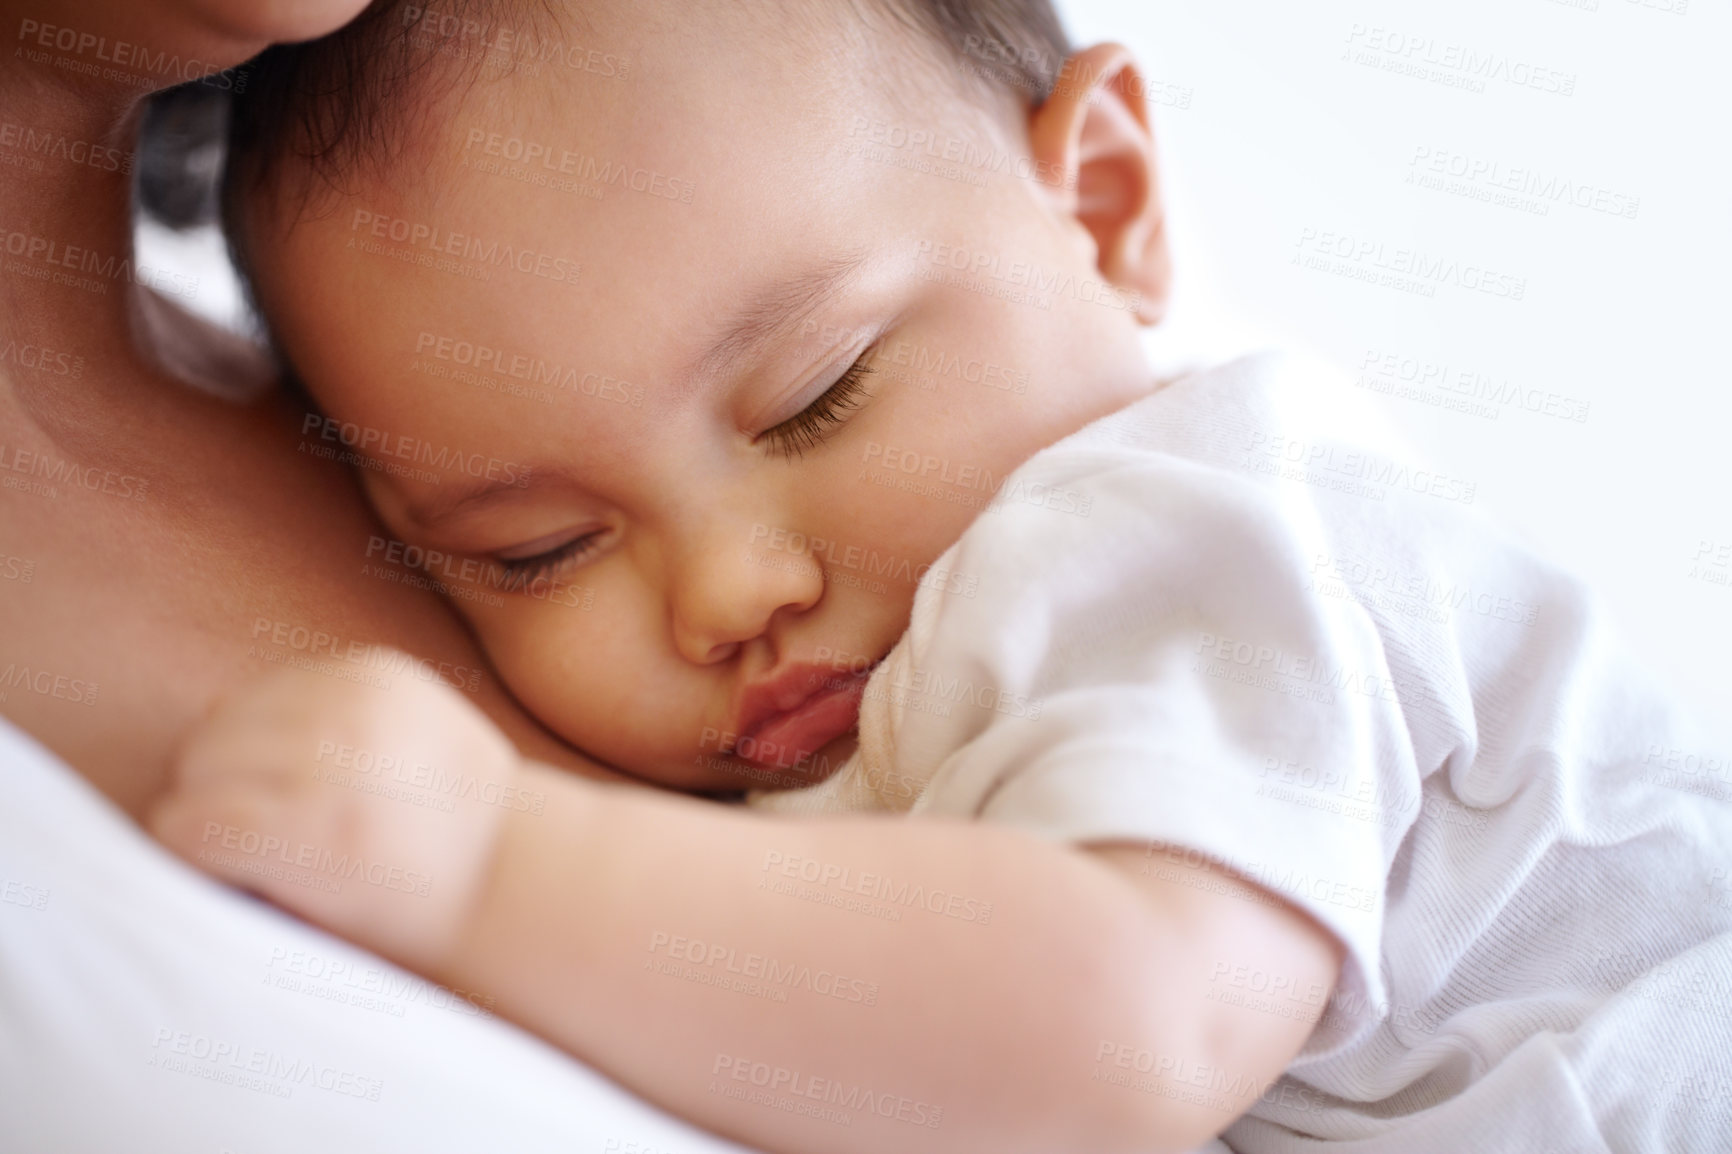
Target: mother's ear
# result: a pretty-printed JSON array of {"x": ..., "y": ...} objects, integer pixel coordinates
[{"x": 1092, "y": 133}]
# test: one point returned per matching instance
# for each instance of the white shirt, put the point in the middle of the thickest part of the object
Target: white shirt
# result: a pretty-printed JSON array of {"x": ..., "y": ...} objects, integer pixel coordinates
[{"x": 1230, "y": 621}]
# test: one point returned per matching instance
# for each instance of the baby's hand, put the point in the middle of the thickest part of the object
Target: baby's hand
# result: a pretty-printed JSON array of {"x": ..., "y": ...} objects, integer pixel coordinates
[{"x": 371, "y": 812}]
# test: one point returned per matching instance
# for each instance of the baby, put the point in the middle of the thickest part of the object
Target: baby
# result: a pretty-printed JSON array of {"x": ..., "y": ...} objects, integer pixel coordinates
[{"x": 763, "y": 383}]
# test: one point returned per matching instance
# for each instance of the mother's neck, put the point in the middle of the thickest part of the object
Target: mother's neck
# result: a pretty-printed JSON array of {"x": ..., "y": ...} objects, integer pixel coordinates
[
  {"x": 72, "y": 76},
  {"x": 65, "y": 227},
  {"x": 46, "y": 192}
]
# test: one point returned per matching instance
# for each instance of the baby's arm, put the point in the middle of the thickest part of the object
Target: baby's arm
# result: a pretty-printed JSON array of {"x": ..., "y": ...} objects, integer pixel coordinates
[
  {"x": 1002, "y": 1024},
  {"x": 1031, "y": 997}
]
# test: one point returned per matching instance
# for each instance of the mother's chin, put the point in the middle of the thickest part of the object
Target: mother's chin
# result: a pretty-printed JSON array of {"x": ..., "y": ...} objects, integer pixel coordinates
[{"x": 217, "y": 34}]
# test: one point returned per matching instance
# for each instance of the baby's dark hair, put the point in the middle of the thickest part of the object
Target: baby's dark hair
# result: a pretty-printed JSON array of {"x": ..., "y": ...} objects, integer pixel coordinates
[{"x": 341, "y": 102}]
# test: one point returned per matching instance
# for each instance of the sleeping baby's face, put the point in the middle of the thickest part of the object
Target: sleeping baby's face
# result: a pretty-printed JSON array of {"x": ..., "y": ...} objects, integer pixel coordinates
[{"x": 680, "y": 371}]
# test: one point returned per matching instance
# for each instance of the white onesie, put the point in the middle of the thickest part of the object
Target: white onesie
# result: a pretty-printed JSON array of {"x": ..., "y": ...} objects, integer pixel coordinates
[{"x": 1227, "y": 622}]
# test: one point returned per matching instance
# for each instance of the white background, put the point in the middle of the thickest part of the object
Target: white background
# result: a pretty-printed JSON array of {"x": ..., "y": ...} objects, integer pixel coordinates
[{"x": 1283, "y": 134}]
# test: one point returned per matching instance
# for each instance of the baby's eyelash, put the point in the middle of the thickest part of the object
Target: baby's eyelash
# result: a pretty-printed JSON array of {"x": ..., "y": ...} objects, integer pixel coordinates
[
  {"x": 808, "y": 428},
  {"x": 522, "y": 572}
]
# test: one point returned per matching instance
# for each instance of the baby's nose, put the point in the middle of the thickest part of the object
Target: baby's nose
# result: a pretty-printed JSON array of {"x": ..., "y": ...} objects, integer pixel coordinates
[{"x": 725, "y": 594}]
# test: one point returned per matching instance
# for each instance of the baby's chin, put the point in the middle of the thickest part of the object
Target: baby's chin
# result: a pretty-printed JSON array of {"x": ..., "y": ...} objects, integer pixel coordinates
[
  {"x": 712, "y": 773},
  {"x": 805, "y": 772}
]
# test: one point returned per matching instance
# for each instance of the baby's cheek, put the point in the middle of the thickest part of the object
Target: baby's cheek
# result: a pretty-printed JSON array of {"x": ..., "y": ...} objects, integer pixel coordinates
[
  {"x": 589, "y": 676},
  {"x": 544, "y": 659}
]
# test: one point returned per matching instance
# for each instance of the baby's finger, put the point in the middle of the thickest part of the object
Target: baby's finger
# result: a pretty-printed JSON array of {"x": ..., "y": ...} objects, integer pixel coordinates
[
  {"x": 235, "y": 832},
  {"x": 258, "y": 738}
]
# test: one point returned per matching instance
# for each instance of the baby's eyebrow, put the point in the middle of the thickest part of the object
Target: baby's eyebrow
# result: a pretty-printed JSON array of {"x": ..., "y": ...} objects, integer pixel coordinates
[
  {"x": 774, "y": 311},
  {"x": 779, "y": 308},
  {"x": 466, "y": 498}
]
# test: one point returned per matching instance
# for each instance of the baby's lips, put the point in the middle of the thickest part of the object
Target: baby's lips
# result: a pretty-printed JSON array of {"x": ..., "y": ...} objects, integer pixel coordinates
[{"x": 804, "y": 730}]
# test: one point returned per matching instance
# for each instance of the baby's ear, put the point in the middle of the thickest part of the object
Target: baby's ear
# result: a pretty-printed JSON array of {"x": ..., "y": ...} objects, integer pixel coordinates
[{"x": 1091, "y": 137}]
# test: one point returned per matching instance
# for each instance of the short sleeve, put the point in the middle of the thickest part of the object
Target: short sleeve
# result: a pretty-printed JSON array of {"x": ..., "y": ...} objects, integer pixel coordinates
[{"x": 1158, "y": 669}]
